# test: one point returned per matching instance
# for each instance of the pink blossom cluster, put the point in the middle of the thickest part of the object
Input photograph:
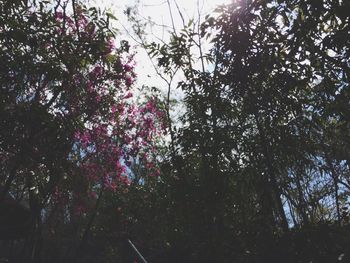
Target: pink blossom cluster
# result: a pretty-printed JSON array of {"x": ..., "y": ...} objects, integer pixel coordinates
[
  {"x": 110, "y": 146},
  {"x": 96, "y": 91}
]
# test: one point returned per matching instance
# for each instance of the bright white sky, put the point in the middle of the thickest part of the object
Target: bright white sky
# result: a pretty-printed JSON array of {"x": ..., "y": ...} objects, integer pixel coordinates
[{"x": 158, "y": 12}]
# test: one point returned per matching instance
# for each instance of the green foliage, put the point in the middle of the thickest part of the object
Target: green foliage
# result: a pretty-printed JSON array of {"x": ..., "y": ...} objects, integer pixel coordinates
[
  {"x": 261, "y": 149},
  {"x": 259, "y": 169}
]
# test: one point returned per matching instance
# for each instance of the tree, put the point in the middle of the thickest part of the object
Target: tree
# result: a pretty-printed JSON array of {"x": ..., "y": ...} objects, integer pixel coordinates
[
  {"x": 72, "y": 126},
  {"x": 282, "y": 69},
  {"x": 255, "y": 155}
]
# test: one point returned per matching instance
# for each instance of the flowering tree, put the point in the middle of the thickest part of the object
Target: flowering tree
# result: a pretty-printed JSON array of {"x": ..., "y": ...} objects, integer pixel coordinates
[{"x": 72, "y": 124}]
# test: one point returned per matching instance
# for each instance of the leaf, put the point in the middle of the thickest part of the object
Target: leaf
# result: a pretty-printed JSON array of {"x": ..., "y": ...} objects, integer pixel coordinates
[{"x": 111, "y": 16}]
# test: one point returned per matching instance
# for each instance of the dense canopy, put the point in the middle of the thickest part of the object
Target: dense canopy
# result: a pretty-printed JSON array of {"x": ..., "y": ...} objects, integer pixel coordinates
[{"x": 257, "y": 169}]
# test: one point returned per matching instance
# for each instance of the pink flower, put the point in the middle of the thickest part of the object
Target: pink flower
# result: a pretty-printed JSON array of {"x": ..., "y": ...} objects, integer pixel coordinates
[
  {"x": 59, "y": 15},
  {"x": 149, "y": 165},
  {"x": 121, "y": 108},
  {"x": 128, "y": 67},
  {"x": 82, "y": 22},
  {"x": 96, "y": 72},
  {"x": 129, "y": 81},
  {"x": 128, "y": 95},
  {"x": 113, "y": 109}
]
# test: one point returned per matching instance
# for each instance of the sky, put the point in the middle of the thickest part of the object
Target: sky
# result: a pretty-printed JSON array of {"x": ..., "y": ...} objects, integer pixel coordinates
[{"x": 157, "y": 11}]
